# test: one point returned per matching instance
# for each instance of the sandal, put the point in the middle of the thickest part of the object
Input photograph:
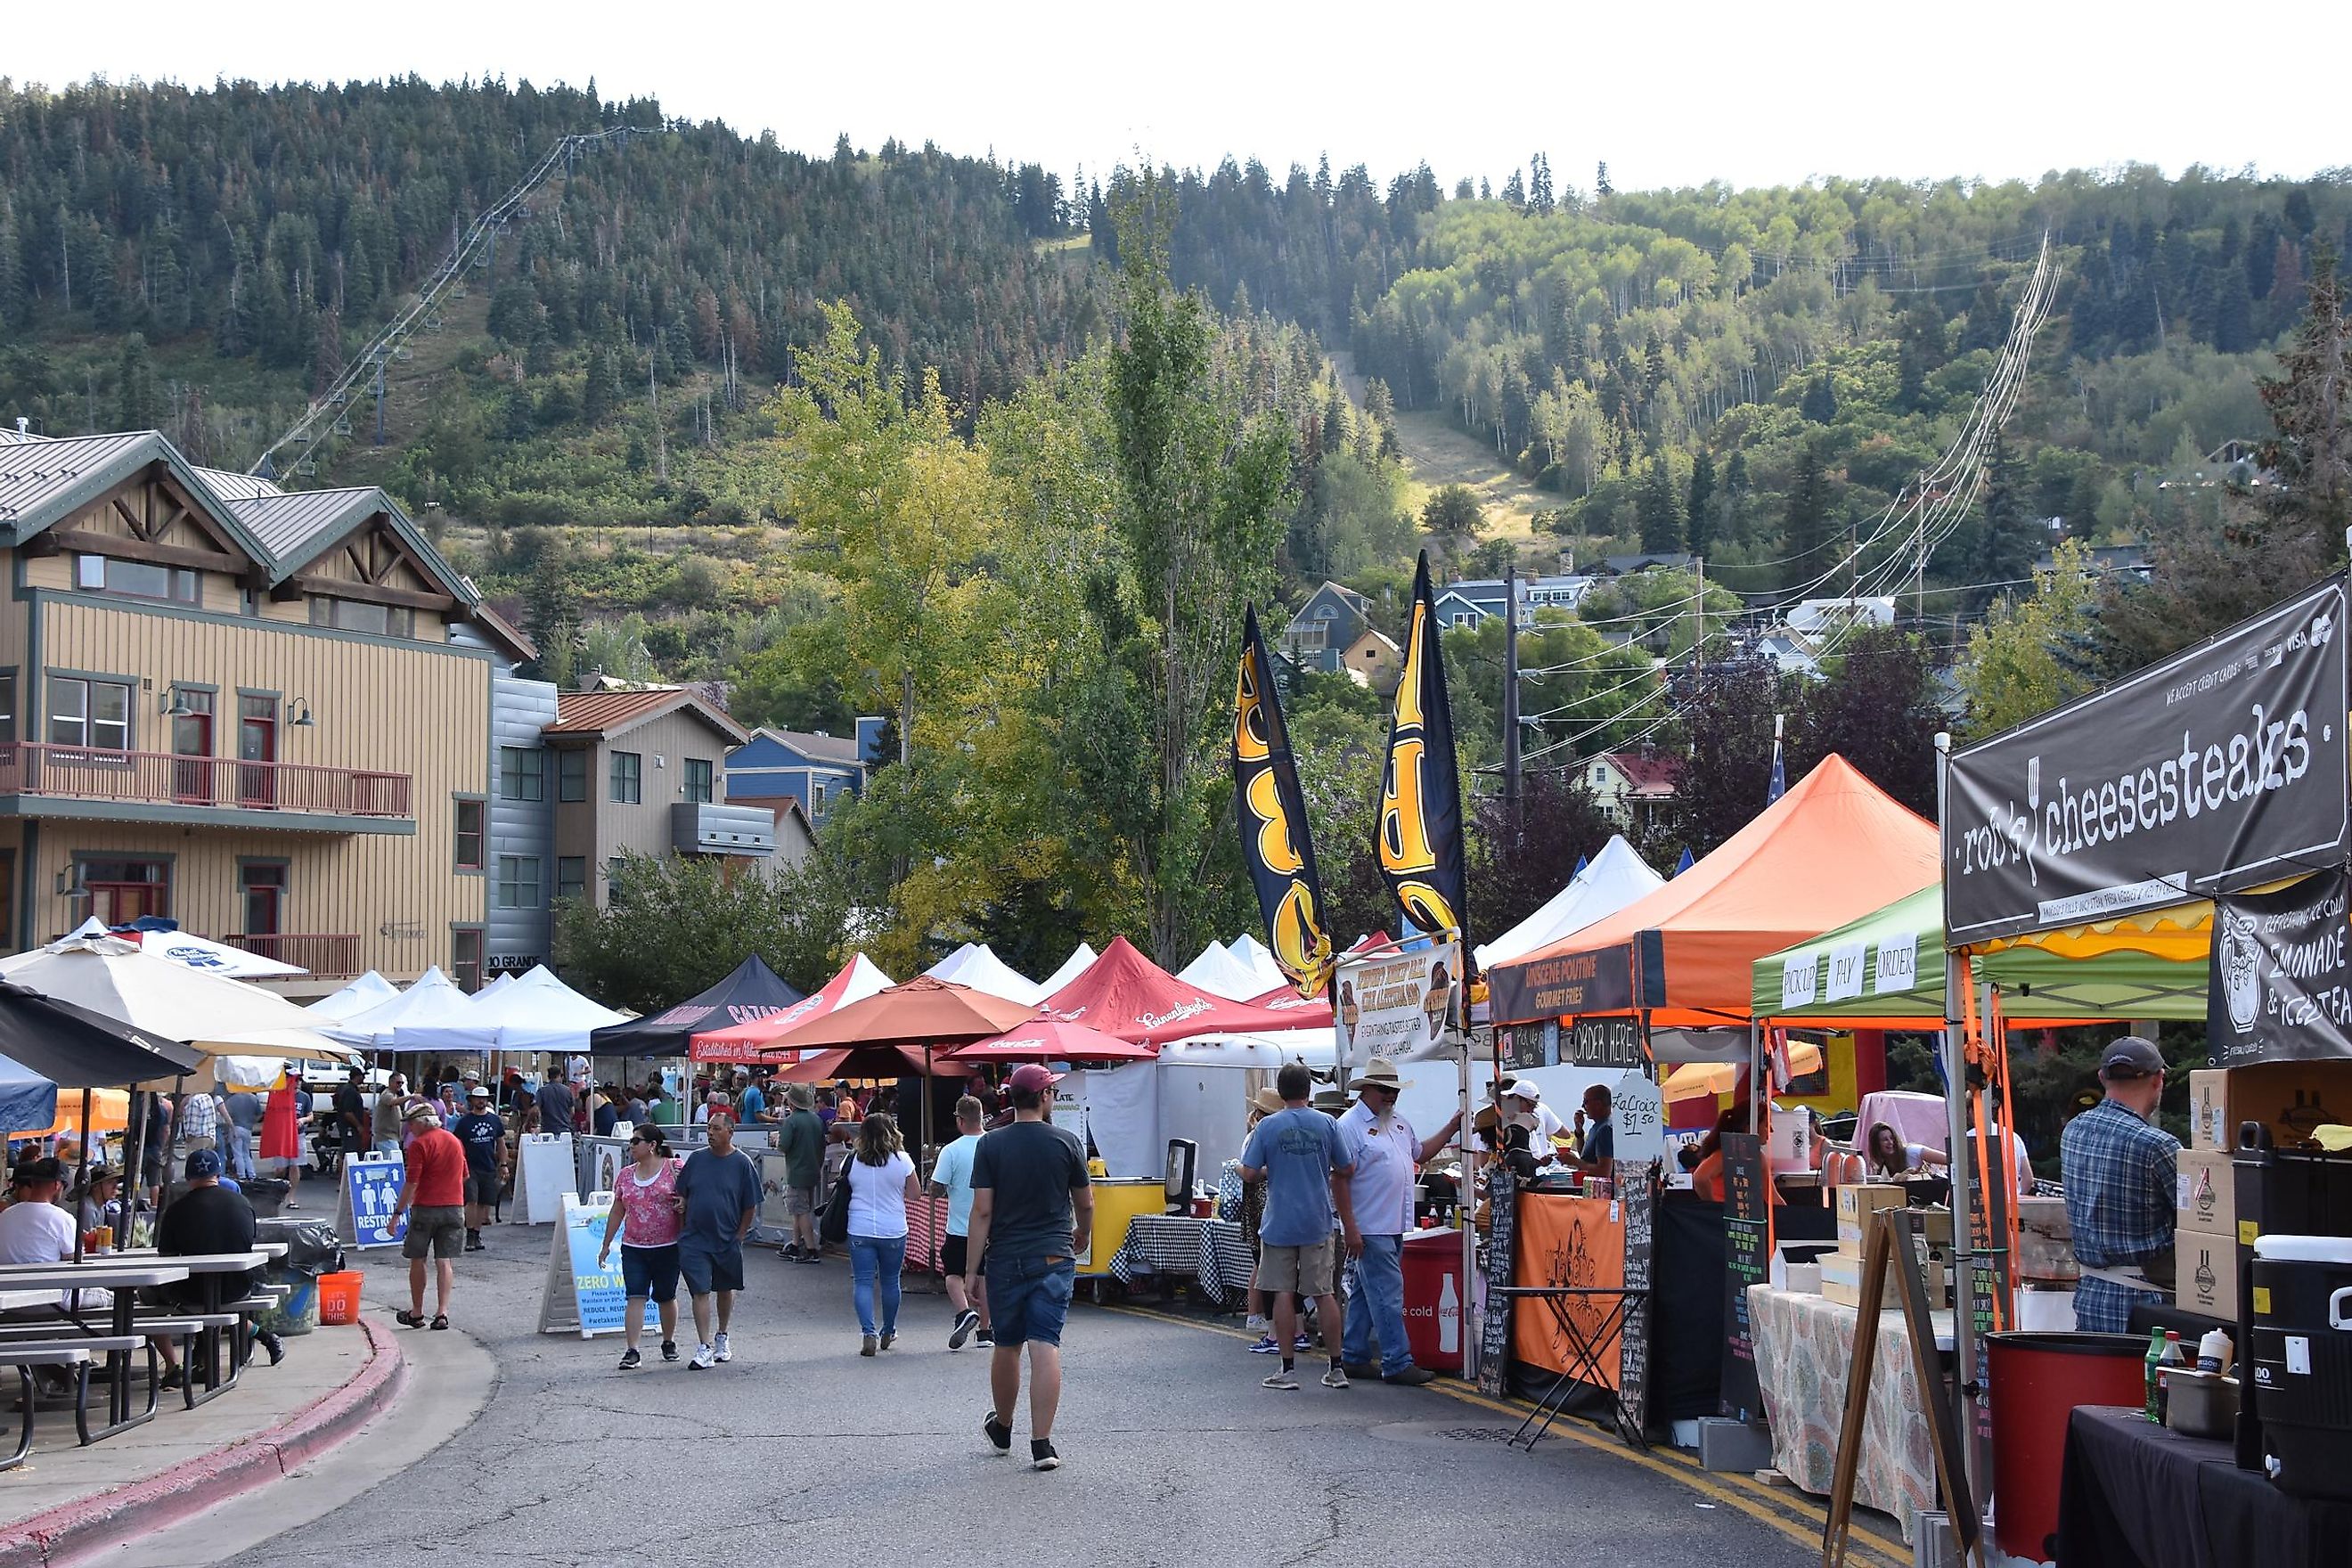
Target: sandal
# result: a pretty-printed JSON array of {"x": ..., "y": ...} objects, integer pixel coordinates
[
  {"x": 408, "y": 1320},
  {"x": 440, "y": 1320}
]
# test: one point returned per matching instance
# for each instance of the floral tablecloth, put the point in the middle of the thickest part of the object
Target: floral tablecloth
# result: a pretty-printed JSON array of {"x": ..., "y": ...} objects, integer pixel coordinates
[{"x": 1805, "y": 1348}]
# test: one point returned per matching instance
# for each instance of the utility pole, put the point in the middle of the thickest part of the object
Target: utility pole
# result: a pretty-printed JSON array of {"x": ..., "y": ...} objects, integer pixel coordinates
[
  {"x": 1511, "y": 692},
  {"x": 1698, "y": 608}
]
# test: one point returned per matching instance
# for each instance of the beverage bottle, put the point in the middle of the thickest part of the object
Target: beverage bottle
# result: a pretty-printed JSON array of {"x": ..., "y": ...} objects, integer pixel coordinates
[
  {"x": 2175, "y": 1359},
  {"x": 2155, "y": 1358},
  {"x": 1449, "y": 1319}
]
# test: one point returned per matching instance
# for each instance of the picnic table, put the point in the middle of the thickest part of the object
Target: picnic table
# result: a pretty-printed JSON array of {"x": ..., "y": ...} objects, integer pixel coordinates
[{"x": 122, "y": 1278}]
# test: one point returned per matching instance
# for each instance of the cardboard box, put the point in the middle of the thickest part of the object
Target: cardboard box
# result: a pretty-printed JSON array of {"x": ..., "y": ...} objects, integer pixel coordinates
[
  {"x": 1856, "y": 1204},
  {"x": 1841, "y": 1283},
  {"x": 2289, "y": 1097},
  {"x": 2207, "y": 1277},
  {"x": 1934, "y": 1226},
  {"x": 2208, "y": 1196}
]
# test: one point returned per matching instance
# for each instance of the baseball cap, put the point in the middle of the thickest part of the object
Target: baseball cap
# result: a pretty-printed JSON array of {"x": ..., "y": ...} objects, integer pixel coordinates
[
  {"x": 2130, "y": 1057},
  {"x": 204, "y": 1162},
  {"x": 45, "y": 1169},
  {"x": 1520, "y": 1089},
  {"x": 471, "y": 1075},
  {"x": 1031, "y": 1078}
]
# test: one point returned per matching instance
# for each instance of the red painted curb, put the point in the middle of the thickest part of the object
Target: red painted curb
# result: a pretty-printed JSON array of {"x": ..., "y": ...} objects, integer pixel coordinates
[{"x": 88, "y": 1524}]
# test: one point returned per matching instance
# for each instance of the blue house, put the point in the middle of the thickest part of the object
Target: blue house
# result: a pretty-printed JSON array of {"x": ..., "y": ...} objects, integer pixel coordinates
[
  {"x": 810, "y": 767},
  {"x": 1326, "y": 627},
  {"x": 1474, "y": 600}
]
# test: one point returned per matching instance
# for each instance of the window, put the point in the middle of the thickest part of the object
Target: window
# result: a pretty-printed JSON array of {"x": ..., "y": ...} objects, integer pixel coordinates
[
  {"x": 613, "y": 877},
  {"x": 469, "y": 836},
  {"x": 7, "y": 705},
  {"x": 518, "y": 882},
  {"x": 122, "y": 890},
  {"x": 358, "y": 615},
  {"x": 466, "y": 957},
  {"x": 571, "y": 876},
  {"x": 137, "y": 579},
  {"x": 816, "y": 799},
  {"x": 522, "y": 773},
  {"x": 698, "y": 779},
  {"x": 261, "y": 887},
  {"x": 570, "y": 776},
  {"x": 628, "y": 778},
  {"x": 89, "y": 712}
]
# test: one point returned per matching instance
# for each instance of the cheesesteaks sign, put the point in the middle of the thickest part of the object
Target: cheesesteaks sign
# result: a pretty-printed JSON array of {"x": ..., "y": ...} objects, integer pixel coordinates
[
  {"x": 2281, "y": 987},
  {"x": 2221, "y": 768}
]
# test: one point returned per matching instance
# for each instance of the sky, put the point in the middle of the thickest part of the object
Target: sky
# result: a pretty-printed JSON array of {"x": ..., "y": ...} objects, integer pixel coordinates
[{"x": 1667, "y": 95}]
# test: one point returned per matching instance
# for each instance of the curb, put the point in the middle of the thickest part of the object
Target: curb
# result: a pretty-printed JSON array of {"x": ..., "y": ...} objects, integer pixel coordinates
[{"x": 73, "y": 1529}]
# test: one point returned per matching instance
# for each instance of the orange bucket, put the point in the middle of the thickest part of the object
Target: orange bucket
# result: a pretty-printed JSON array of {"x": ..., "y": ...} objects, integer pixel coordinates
[{"x": 339, "y": 1297}]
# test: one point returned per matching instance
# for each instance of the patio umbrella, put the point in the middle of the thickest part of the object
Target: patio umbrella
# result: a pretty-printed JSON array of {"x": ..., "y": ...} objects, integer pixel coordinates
[
  {"x": 853, "y": 1061},
  {"x": 166, "y": 1001},
  {"x": 922, "y": 1012},
  {"x": 1694, "y": 1080},
  {"x": 1043, "y": 1041},
  {"x": 76, "y": 1048},
  {"x": 215, "y": 957}
]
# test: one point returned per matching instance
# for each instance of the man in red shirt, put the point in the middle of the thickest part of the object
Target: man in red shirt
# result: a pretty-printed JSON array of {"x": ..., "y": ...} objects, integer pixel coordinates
[{"x": 432, "y": 1200}]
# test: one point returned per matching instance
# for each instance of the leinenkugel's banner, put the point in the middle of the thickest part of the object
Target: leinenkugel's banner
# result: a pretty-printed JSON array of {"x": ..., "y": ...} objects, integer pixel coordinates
[
  {"x": 2218, "y": 769},
  {"x": 1272, "y": 815},
  {"x": 1420, "y": 833},
  {"x": 2282, "y": 983},
  {"x": 1597, "y": 982}
]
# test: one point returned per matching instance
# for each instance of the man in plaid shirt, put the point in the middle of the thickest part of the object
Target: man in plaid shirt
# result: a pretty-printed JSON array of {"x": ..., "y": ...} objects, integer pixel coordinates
[
  {"x": 2119, "y": 1174},
  {"x": 199, "y": 1121}
]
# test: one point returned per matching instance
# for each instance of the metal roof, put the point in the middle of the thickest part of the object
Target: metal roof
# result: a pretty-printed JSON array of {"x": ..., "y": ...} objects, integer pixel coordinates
[
  {"x": 284, "y": 524},
  {"x": 814, "y": 745},
  {"x": 607, "y": 712},
  {"x": 37, "y": 475},
  {"x": 237, "y": 487}
]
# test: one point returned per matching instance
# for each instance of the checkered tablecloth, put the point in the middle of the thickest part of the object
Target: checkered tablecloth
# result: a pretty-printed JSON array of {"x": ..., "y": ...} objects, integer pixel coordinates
[{"x": 1210, "y": 1251}]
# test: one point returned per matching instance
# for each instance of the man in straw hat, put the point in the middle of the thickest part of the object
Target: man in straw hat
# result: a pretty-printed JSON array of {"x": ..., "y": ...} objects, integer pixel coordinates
[
  {"x": 801, "y": 1136},
  {"x": 1383, "y": 1152}
]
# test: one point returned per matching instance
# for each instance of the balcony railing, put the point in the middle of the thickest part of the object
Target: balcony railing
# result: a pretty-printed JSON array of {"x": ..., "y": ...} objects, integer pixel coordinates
[
  {"x": 326, "y": 957},
  {"x": 162, "y": 778}
]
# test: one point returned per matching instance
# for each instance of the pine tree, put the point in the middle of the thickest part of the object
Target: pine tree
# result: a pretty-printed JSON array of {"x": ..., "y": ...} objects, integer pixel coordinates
[
  {"x": 135, "y": 406},
  {"x": 1805, "y": 527},
  {"x": 1539, "y": 189},
  {"x": 1657, "y": 511},
  {"x": 1515, "y": 191},
  {"x": 2009, "y": 539},
  {"x": 16, "y": 301},
  {"x": 1601, "y": 185},
  {"x": 1700, "y": 510},
  {"x": 1819, "y": 405},
  {"x": 597, "y": 387},
  {"x": 2310, "y": 402},
  {"x": 2233, "y": 312}
]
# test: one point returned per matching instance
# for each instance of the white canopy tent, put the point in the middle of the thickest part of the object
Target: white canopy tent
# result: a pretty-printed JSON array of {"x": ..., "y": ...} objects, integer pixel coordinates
[
  {"x": 370, "y": 990},
  {"x": 1608, "y": 882},
  {"x": 1253, "y": 955},
  {"x": 121, "y": 979},
  {"x": 1220, "y": 973},
  {"x": 1081, "y": 958},
  {"x": 975, "y": 965},
  {"x": 434, "y": 998},
  {"x": 537, "y": 1013}
]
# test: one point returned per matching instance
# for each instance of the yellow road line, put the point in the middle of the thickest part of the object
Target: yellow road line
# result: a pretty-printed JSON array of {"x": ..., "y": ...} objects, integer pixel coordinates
[{"x": 1799, "y": 1522}]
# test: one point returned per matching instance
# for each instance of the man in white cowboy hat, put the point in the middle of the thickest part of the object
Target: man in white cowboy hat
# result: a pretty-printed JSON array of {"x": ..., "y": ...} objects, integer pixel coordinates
[{"x": 1383, "y": 1151}]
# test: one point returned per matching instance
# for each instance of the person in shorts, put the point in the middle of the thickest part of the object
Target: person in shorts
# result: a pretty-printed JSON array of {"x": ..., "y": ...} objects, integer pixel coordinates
[
  {"x": 951, "y": 1177},
  {"x": 433, "y": 1201},
  {"x": 646, "y": 1220},
  {"x": 718, "y": 1198},
  {"x": 800, "y": 1135},
  {"x": 1030, "y": 1203},
  {"x": 1297, "y": 1153},
  {"x": 483, "y": 1132}
]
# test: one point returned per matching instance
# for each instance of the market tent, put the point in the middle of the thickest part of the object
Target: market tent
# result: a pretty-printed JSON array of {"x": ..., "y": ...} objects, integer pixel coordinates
[
  {"x": 1082, "y": 958},
  {"x": 752, "y": 991},
  {"x": 975, "y": 965},
  {"x": 1216, "y": 970},
  {"x": 1125, "y": 993},
  {"x": 368, "y": 991},
  {"x": 853, "y": 1061},
  {"x": 855, "y": 981},
  {"x": 434, "y": 998},
  {"x": 1254, "y": 956},
  {"x": 1038, "y": 1041},
  {"x": 1601, "y": 886},
  {"x": 28, "y": 1103},
  {"x": 537, "y": 1013},
  {"x": 921, "y": 1012},
  {"x": 1696, "y": 1081},
  {"x": 118, "y": 979},
  {"x": 215, "y": 957},
  {"x": 109, "y": 1111},
  {"x": 1830, "y": 850},
  {"x": 1301, "y": 1012},
  {"x": 2150, "y": 966}
]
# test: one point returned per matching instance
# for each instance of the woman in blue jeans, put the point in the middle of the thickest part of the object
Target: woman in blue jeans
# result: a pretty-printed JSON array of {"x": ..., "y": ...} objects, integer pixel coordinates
[{"x": 882, "y": 1182}]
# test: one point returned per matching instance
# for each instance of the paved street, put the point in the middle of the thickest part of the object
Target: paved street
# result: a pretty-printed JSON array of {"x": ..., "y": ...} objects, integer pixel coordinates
[{"x": 1173, "y": 1455}]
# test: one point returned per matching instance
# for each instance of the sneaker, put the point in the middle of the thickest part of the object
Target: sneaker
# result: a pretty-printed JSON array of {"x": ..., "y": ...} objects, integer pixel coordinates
[
  {"x": 966, "y": 1320},
  {"x": 789, "y": 1252},
  {"x": 1042, "y": 1455},
  {"x": 631, "y": 1360},
  {"x": 986, "y": 1337},
  {"x": 867, "y": 1346},
  {"x": 1304, "y": 1343},
  {"x": 1256, "y": 1324},
  {"x": 1335, "y": 1378},
  {"x": 999, "y": 1435},
  {"x": 718, "y": 1351},
  {"x": 670, "y": 1349},
  {"x": 701, "y": 1359},
  {"x": 889, "y": 1338},
  {"x": 1265, "y": 1346},
  {"x": 268, "y": 1341},
  {"x": 809, "y": 1258},
  {"x": 1411, "y": 1377},
  {"x": 1282, "y": 1381}
]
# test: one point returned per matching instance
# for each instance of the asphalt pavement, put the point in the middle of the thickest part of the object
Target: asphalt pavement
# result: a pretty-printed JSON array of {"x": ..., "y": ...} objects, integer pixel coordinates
[{"x": 799, "y": 1449}]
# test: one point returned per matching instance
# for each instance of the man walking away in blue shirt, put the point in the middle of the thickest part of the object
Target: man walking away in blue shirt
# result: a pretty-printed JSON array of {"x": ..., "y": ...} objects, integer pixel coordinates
[{"x": 1297, "y": 1153}]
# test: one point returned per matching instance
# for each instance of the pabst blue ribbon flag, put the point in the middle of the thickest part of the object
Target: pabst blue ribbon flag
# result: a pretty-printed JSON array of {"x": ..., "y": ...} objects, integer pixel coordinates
[
  {"x": 1419, "y": 834},
  {"x": 2219, "y": 769},
  {"x": 2281, "y": 986},
  {"x": 1272, "y": 815}
]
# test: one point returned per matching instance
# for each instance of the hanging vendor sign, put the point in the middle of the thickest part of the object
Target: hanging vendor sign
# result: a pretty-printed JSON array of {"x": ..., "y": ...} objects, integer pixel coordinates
[
  {"x": 2281, "y": 986},
  {"x": 2218, "y": 769},
  {"x": 1272, "y": 814},
  {"x": 1419, "y": 838},
  {"x": 1563, "y": 987},
  {"x": 1399, "y": 1005}
]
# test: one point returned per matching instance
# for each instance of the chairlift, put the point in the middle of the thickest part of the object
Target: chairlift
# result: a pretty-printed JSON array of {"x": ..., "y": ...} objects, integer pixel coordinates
[
  {"x": 457, "y": 291},
  {"x": 306, "y": 469},
  {"x": 432, "y": 323},
  {"x": 338, "y": 397},
  {"x": 343, "y": 426},
  {"x": 404, "y": 353}
]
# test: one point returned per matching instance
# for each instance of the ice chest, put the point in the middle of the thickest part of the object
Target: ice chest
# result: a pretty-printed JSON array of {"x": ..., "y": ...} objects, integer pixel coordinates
[{"x": 2302, "y": 1360}]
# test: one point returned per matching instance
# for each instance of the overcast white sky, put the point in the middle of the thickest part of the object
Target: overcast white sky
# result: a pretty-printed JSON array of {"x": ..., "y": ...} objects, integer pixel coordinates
[{"x": 1667, "y": 94}]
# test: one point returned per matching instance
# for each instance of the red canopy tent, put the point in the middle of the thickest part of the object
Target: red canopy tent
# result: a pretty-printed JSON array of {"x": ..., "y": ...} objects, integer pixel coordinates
[
  {"x": 1124, "y": 995},
  {"x": 1040, "y": 1041}
]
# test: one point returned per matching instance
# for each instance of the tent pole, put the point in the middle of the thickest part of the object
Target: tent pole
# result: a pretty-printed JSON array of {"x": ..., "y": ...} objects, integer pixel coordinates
[
  {"x": 1955, "y": 1113},
  {"x": 81, "y": 1178}
]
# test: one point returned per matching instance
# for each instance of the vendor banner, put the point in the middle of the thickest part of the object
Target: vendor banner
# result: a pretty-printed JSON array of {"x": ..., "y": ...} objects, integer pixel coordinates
[
  {"x": 1396, "y": 1006},
  {"x": 2281, "y": 986},
  {"x": 1420, "y": 836},
  {"x": 1272, "y": 815},
  {"x": 2216, "y": 770},
  {"x": 1579, "y": 1244},
  {"x": 1563, "y": 987}
]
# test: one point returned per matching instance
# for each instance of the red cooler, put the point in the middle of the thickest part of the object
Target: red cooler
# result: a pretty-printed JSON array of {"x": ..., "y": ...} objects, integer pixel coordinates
[
  {"x": 2035, "y": 1380},
  {"x": 1434, "y": 1302}
]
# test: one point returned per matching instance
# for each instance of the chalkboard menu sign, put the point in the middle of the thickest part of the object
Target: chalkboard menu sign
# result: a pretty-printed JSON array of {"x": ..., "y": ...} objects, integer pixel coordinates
[
  {"x": 1637, "y": 1198},
  {"x": 1984, "y": 1269},
  {"x": 1523, "y": 1045},
  {"x": 1604, "y": 1042},
  {"x": 1495, "y": 1335},
  {"x": 1748, "y": 1256}
]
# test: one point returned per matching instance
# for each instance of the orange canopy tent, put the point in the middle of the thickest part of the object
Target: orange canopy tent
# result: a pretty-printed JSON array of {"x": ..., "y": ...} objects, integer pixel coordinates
[{"x": 1832, "y": 849}]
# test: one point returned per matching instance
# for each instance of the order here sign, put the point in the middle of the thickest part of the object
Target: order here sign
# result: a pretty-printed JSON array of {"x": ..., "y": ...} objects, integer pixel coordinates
[{"x": 2218, "y": 769}]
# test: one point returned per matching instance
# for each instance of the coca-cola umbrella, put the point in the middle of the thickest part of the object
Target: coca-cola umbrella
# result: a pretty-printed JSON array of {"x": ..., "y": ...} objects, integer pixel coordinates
[
  {"x": 922, "y": 1012},
  {"x": 1044, "y": 1040}
]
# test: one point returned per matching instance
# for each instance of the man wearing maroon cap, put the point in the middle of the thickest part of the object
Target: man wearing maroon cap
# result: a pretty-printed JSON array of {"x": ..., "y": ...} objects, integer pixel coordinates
[{"x": 1030, "y": 1204}]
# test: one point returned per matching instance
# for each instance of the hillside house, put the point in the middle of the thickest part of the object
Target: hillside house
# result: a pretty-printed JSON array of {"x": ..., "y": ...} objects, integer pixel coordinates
[
  {"x": 810, "y": 768},
  {"x": 1327, "y": 628},
  {"x": 1632, "y": 787},
  {"x": 1474, "y": 601}
]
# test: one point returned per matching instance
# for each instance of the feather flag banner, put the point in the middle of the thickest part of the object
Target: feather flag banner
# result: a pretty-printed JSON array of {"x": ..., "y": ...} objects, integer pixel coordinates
[
  {"x": 1420, "y": 838},
  {"x": 1271, "y": 812}
]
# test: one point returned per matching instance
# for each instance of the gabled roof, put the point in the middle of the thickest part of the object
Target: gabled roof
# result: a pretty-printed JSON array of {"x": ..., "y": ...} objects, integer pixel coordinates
[
  {"x": 1651, "y": 773},
  {"x": 1621, "y": 564},
  {"x": 232, "y": 486},
  {"x": 43, "y": 480},
  {"x": 610, "y": 713},
  {"x": 1374, "y": 635},
  {"x": 1349, "y": 598},
  {"x": 814, "y": 745}
]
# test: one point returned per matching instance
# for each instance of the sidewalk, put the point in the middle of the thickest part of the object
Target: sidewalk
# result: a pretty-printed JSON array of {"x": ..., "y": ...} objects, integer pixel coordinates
[{"x": 67, "y": 1500}]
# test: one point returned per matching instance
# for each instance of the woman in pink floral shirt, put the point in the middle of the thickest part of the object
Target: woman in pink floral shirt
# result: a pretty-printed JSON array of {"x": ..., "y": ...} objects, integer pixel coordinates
[{"x": 647, "y": 1219}]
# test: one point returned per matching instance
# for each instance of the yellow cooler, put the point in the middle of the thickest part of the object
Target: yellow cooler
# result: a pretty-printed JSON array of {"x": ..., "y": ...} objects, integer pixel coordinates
[{"x": 1118, "y": 1201}]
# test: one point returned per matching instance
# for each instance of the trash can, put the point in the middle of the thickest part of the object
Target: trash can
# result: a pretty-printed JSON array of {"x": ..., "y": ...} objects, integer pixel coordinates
[
  {"x": 265, "y": 1196},
  {"x": 2035, "y": 1382},
  {"x": 1432, "y": 1297},
  {"x": 311, "y": 1250}
]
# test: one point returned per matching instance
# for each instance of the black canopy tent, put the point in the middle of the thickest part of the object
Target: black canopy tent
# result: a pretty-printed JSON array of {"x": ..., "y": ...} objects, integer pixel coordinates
[{"x": 753, "y": 991}]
